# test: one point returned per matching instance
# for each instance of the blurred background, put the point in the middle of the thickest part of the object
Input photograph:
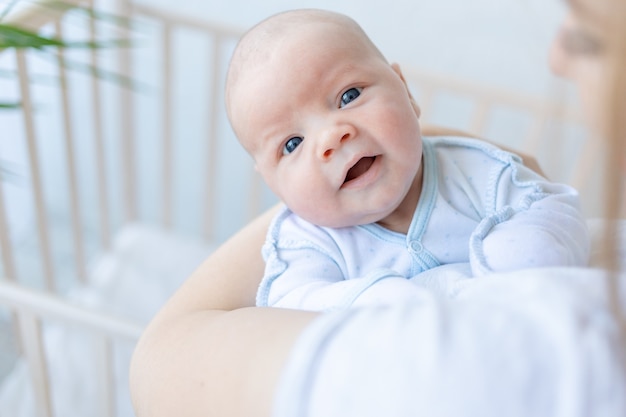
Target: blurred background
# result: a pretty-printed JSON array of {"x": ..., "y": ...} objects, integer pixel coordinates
[{"x": 500, "y": 42}]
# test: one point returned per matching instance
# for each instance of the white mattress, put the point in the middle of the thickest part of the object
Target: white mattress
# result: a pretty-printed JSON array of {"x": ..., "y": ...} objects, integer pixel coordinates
[{"x": 133, "y": 280}]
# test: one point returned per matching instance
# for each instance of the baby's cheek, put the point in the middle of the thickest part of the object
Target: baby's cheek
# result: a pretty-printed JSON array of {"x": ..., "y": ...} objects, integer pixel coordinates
[
  {"x": 320, "y": 211},
  {"x": 306, "y": 202}
]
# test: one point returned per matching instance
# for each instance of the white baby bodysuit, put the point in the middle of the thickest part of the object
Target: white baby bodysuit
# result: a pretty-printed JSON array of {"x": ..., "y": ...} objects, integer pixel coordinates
[{"x": 478, "y": 204}]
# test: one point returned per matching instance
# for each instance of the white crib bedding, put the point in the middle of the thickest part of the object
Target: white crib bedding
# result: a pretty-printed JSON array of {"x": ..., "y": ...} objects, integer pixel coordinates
[{"x": 133, "y": 280}]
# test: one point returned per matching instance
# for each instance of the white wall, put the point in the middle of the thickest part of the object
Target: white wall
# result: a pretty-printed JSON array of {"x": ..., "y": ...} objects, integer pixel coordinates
[{"x": 503, "y": 42}]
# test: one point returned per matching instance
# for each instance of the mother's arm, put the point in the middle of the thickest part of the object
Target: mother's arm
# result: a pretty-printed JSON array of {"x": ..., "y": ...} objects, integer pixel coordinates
[
  {"x": 207, "y": 353},
  {"x": 229, "y": 278},
  {"x": 196, "y": 358}
]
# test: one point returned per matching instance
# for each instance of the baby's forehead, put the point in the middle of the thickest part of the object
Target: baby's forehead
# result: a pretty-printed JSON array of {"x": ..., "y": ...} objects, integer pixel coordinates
[
  {"x": 291, "y": 36},
  {"x": 284, "y": 23},
  {"x": 264, "y": 38},
  {"x": 278, "y": 49}
]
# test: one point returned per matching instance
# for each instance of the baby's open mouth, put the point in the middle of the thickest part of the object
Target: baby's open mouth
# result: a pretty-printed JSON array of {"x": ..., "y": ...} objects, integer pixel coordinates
[{"x": 359, "y": 168}]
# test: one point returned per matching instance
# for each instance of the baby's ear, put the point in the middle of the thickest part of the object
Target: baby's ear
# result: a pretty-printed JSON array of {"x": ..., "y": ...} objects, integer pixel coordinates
[{"x": 397, "y": 70}]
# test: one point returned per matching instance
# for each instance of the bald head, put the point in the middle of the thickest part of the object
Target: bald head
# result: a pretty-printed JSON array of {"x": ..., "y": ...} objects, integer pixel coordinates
[{"x": 258, "y": 45}]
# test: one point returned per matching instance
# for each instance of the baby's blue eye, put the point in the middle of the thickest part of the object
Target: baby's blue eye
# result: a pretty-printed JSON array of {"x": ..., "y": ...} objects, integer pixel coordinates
[
  {"x": 292, "y": 144},
  {"x": 349, "y": 96}
]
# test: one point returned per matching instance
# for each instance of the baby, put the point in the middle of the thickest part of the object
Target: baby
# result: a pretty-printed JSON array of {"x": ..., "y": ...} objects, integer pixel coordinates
[{"x": 370, "y": 203}]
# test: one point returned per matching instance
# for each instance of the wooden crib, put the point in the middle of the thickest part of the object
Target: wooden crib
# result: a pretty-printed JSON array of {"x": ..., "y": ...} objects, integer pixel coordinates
[{"x": 120, "y": 174}]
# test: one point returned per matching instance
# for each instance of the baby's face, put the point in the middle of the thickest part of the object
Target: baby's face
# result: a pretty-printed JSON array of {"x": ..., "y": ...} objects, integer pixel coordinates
[{"x": 330, "y": 126}]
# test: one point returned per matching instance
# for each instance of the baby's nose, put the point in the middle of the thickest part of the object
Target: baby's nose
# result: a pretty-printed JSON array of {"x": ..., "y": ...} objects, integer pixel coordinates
[{"x": 333, "y": 139}]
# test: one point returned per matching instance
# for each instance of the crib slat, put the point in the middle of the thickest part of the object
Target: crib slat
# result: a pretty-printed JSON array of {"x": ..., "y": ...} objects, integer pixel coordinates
[
  {"x": 127, "y": 116},
  {"x": 166, "y": 117},
  {"x": 79, "y": 257},
  {"x": 104, "y": 376},
  {"x": 54, "y": 308},
  {"x": 31, "y": 340},
  {"x": 213, "y": 141},
  {"x": 29, "y": 127},
  {"x": 5, "y": 242},
  {"x": 10, "y": 272},
  {"x": 479, "y": 118},
  {"x": 103, "y": 212},
  {"x": 256, "y": 195},
  {"x": 425, "y": 102},
  {"x": 532, "y": 141},
  {"x": 175, "y": 19},
  {"x": 589, "y": 156}
]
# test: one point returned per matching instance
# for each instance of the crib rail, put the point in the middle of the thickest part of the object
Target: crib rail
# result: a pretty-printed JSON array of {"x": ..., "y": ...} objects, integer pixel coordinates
[
  {"x": 487, "y": 97},
  {"x": 39, "y": 15},
  {"x": 43, "y": 12},
  {"x": 125, "y": 192},
  {"x": 553, "y": 130},
  {"x": 220, "y": 34},
  {"x": 30, "y": 307},
  {"x": 114, "y": 202}
]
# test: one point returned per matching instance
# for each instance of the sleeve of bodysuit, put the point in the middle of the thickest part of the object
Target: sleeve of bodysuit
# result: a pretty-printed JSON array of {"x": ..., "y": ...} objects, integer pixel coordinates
[
  {"x": 530, "y": 222},
  {"x": 304, "y": 271}
]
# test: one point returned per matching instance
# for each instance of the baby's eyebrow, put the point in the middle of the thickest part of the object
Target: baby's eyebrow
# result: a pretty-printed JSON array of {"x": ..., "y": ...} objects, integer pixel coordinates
[{"x": 268, "y": 144}]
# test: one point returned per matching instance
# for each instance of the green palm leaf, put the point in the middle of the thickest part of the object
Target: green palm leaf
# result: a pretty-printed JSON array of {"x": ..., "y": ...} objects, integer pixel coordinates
[{"x": 16, "y": 37}]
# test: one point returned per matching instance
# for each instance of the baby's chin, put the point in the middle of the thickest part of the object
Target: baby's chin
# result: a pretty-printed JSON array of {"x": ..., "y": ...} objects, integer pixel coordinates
[{"x": 337, "y": 222}]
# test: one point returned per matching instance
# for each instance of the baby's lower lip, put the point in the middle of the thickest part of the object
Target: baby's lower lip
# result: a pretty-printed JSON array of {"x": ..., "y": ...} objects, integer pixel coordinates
[{"x": 360, "y": 168}]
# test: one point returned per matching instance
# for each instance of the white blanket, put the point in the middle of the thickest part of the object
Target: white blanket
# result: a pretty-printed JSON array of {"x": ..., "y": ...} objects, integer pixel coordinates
[{"x": 530, "y": 343}]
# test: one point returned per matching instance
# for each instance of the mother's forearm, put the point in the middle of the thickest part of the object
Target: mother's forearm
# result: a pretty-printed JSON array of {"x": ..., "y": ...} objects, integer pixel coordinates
[
  {"x": 179, "y": 368},
  {"x": 213, "y": 363},
  {"x": 228, "y": 279}
]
